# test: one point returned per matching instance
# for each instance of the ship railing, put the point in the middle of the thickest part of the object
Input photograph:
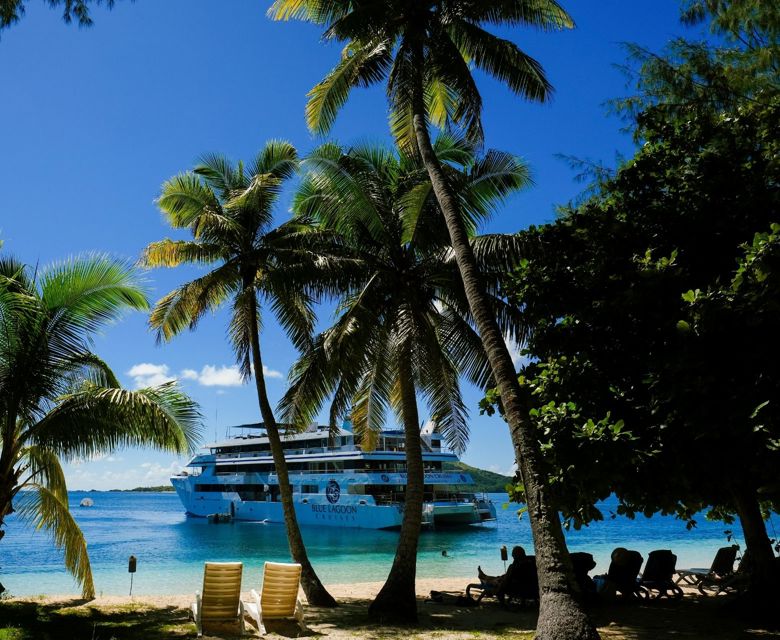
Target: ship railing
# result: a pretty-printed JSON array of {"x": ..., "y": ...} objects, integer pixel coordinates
[
  {"x": 455, "y": 498},
  {"x": 288, "y": 452}
]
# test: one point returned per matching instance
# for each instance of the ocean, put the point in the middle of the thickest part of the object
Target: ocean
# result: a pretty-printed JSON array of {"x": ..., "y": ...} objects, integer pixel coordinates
[{"x": 170, "y": 547}]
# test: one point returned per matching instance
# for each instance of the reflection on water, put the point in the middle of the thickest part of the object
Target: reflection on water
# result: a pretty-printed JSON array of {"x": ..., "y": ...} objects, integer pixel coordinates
[{"x": 171, "y": 548}]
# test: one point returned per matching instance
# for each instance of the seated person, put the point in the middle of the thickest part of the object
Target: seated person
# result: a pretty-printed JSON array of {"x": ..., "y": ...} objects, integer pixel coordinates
[
  {"x": 517, "y": 575},
  {"x": 518, "y": 555}
]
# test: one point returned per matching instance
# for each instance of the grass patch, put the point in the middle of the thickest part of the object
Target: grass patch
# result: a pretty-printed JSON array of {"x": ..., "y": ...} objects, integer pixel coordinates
[{"x": 691, "y": 619}]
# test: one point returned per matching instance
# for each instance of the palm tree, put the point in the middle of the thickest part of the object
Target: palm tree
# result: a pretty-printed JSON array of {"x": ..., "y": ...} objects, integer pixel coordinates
[
  {"x": 59, "y": 400},
  {"x": 403, "y": 325},
  {"x": 229, "y": 211},
  {"x": 425, "y": 49}
]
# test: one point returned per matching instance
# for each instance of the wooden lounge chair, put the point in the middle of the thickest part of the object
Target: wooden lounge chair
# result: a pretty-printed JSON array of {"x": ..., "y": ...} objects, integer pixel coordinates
[
  {"x": 715, "y": 578},
  {"x": 279, "y": 597},
  {"x": 658, "y": 574},
  {"x": 221, "y": 596}
]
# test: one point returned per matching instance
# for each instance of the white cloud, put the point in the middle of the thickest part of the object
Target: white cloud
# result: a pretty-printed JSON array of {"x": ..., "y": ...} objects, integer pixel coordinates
[
  {"x": 503, "y": 471},
  {"x": 223, "y": 376},
  {"x": 271, "y": 373},
  {"x": 211, "y": 376},
  {"x": 147, "y": 374}
]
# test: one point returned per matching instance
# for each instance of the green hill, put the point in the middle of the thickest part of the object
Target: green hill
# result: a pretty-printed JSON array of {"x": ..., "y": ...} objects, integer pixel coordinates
[{"x": 485, "y": 481}]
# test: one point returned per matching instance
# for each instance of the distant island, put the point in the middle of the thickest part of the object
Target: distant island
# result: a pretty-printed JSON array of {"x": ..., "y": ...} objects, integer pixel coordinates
[
  {"x": 162, "y": 488},
  {"x": 485, "y": 481}
]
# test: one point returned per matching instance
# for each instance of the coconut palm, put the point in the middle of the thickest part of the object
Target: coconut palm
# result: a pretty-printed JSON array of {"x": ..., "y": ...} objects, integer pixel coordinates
[
  {"x": 403, "y": 325},
  {"x": 425, "y": 50},
  {"x": 58, "y": 400},
  {"x": 229, "y": 211}
]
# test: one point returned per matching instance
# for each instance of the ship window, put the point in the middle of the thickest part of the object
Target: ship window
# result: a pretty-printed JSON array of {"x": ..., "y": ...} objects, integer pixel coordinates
[{"x": 309, "y": 488}]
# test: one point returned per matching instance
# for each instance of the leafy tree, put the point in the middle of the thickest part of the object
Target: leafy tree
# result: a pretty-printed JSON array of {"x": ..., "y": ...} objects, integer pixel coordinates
[
  {"x": 11, "y": 11},
  {"x": 229, "y": 211},
  {"x": 649, "y": 354},
  {"x": 58, "y": 400},
  {"x": 403, "y": 325},
  {"x": 425, "y": 52}
]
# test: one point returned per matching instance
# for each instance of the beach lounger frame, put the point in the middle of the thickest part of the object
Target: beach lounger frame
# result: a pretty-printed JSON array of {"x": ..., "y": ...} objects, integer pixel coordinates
[
  {"x": 658, "y": 576},
  {"x": 279, "y": 595},
  {"x": 220, "y": 599},
  {"x": 718, "y": 577}
]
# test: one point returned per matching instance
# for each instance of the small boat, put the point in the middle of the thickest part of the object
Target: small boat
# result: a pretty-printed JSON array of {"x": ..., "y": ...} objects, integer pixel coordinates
[
  {"x": 86, "y": 502},
  {"x": 219, "y": 518}
]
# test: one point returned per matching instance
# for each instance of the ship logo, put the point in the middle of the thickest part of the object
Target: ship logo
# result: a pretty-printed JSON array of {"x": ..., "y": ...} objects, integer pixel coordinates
[
  {"x": 385, "y": 477},
  {"x": 333, "y": 492}
]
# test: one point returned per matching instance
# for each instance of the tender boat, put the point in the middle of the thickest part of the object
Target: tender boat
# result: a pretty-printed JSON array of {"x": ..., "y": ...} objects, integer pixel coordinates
[{"x": 336, "y": 482}]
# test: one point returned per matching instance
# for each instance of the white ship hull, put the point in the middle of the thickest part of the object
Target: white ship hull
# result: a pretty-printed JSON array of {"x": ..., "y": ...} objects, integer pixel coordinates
[{"x": 320, "y": 512}]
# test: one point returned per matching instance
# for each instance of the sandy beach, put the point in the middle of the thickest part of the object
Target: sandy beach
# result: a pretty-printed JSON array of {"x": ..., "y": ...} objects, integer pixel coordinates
[
  {"x": 354, "y": 591},
  {"x": 167, "y": 616}
]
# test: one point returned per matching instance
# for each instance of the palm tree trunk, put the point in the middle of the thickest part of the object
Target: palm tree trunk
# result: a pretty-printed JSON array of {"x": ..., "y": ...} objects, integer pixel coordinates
[
  {"x": 561, "y": 615},
  {"x": 8, "y": 479},
  {"x": 315, "y": 591},
  {"x": 397, "y": 600}
]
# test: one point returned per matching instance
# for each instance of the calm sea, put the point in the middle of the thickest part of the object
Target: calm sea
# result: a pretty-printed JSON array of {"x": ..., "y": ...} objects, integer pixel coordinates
[{"x": 171, "y": 547}]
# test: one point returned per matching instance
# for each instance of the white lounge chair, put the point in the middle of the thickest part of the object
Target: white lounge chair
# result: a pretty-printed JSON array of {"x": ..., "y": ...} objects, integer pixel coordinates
[
  {"x": 221, "y": 597},
  {"x": 279, "y": 597}
]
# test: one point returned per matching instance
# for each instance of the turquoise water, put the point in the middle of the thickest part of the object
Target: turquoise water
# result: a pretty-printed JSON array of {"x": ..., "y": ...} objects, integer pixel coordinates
[{"x": 171, "y": 548}]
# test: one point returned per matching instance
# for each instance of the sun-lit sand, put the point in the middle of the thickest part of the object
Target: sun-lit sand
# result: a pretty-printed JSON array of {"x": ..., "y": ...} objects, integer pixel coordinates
[{"x": 357, "y": 590}]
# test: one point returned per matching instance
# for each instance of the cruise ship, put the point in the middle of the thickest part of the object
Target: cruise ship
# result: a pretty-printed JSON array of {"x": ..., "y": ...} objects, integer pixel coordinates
[{"x": 336, "y": 482}]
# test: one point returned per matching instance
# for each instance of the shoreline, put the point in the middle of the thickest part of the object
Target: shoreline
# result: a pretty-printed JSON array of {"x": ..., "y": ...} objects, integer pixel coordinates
[{"x": 347, "y": 591}]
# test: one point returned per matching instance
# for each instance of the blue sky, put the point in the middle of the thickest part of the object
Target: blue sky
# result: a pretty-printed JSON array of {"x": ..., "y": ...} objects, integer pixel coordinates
[{"x": 94, "y": 120}]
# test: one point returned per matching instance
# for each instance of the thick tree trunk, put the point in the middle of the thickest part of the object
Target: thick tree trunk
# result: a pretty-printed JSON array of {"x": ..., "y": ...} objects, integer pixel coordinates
[
  {"x": 759, "y": 567},
  {"x": 315, "y": 592},
  {"x": 561, "y": 615},
  {"x": 397, "y": 600},
  {"x": 8, "y": 484},
  {"x": 6, "y": 499}
]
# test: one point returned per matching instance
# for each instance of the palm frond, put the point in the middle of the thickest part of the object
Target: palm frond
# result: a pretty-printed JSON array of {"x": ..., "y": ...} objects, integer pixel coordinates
[
  {"x": 42, "y": 509},
  {"x": 184, "y": 307},
  {"x": 41, "y": 466},
  {"x": 502, "y": 59},
  {"x": 184, "y": 198},
  {"x": 361, "y": 64},
  {"x": 546, "y": 15},
  {"x": 96, "y": 420},
  {"x": 316, "y": 11},
  {"x": 172, "y": 253}
]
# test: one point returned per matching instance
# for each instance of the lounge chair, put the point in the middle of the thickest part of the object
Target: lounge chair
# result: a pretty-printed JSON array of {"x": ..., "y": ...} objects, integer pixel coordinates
[
  {"x": 520, "y": 583},
  {"x": 279, "y": 597},
  {"x": 221, "y": 597},
  {"x": 583, "y": 563},
  {"x": 624, "y": 571},
  {"x": 658, "y": 574},
  {"x": 717, "y": 576}
]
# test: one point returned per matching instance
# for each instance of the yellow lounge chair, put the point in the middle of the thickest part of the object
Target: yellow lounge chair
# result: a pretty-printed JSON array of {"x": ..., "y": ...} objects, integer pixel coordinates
[
  {"x": 279, "y": 597},
  {"x": 221, "y": 598}
]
